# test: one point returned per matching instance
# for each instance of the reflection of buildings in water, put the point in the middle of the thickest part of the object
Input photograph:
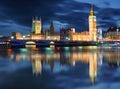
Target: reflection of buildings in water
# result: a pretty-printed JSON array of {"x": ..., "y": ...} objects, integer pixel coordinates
[
  {"x": 112, "y": 58},
  {"x": 93, "y": 67},
  {"x": 86, "y": 57},
  {"x": 79, "y": 56},
  {"x": 111, "y": 55},
  {"x": 52, "y": 63},
  {"x": 67, "y": 57},
  {"x": 100, "y": 59},
  {"x": 48, "y": 57},
  {"x": 36, "y": 59},
  {"x": 64, "y": 57},
  {"x": 37, "y": 66},
  {"x": 9, "y": 52},
  {"x": 19, "y": 57}
]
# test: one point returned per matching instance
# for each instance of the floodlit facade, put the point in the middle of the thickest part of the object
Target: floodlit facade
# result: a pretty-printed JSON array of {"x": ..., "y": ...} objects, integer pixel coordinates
[
  {"x": 92, "y": 26},
  {"x": 80, "y": 36},
  {"x": 86, "y": 35},
  {"x": 36, "y": 33},
  {"x": 65, "y": 34},
  {"x": 53, "y": 37},
  {"x": 36, "y": 26}
]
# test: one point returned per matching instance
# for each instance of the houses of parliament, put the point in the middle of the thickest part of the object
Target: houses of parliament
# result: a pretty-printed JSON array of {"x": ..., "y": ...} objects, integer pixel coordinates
[{"x": 49, "y": 34}]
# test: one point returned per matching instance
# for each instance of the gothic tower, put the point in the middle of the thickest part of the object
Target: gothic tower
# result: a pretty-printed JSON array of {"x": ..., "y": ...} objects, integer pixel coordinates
[
  {"x": 51, "y": 28},
  {"x": 92, "y": 25},
  {"x": 36, "y": 26}
]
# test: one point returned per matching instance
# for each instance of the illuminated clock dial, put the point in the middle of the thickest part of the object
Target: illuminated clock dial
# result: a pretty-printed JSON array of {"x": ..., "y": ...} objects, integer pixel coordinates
[
  {"x": 90, "y": 19},
  {"x": 94, "y": 19}
]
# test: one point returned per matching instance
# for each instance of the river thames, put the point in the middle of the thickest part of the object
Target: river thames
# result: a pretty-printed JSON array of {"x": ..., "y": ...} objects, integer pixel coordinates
[{"x": 60, "y": 68}]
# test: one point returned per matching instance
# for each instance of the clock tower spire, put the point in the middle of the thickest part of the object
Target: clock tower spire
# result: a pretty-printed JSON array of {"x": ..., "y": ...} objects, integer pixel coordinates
[
  {"x": 92, "y": 11},
  {"x": 92, "y": 25}
]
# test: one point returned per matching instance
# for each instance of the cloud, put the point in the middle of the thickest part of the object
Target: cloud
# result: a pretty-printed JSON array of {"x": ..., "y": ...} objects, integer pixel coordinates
[
  {"x": 7, "y": 27},
  {"x": 108, "y": 17}
]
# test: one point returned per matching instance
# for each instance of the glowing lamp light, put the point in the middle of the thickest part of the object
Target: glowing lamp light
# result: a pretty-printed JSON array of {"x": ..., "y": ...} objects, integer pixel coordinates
[
  {"x": 23, "y": 36},
  {"x": 12, "y": 37},
  {"x": 48, "y": 37},
  {"x": 55, "y": 38}
]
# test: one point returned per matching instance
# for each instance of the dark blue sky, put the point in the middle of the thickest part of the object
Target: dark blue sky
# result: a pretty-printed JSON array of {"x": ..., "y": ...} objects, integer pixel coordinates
[{"x": 16, "y": 15}]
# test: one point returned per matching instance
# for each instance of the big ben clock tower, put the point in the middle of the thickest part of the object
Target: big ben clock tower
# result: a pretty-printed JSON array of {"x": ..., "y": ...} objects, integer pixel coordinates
[{"x": 92, "y": 25}]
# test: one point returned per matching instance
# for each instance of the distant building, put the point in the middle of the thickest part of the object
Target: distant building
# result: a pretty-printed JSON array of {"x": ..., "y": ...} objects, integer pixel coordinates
[
  {"x": 99, "y": 34},
  {"x": 65, "y": 34},
  {"x": 112, "y": 34},
  {"x": 5, "y": 37},
  {"x": 17, "y": 35}
]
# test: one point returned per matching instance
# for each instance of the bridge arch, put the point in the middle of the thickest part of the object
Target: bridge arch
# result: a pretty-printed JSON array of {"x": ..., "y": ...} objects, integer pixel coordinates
[
  {"x": 30, "y": 44},
  {"x": 52, "y": 42}
]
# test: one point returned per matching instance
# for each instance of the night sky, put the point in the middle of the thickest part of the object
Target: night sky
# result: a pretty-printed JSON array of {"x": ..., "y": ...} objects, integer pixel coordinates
[{"x": 16, "y": 15}]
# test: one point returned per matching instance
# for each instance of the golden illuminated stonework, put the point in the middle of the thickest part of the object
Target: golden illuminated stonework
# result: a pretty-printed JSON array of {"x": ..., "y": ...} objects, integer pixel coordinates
[{"x": 92, "y": 25}]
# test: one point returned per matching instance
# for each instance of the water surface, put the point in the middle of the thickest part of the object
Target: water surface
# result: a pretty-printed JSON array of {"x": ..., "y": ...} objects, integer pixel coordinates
[{"x": 60, "y": 68}]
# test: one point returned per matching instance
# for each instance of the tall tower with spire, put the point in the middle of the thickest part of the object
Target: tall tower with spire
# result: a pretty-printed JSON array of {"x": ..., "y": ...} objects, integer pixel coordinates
[
  {"x": 92, "y": 25},
  {"x": 36, "y": 26},
  {"x": 51, "y": 28}
]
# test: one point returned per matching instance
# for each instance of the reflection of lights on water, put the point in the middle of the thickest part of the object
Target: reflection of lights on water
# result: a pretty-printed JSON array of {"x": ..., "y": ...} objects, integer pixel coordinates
[
  {"x": 80, "y": 47},
  {"x": 73, "y": 63},
  {"x": 57, "y": 67},
  {"x": 48, "y": 57},
  {"x": 118, "y": 63},
  {"x": 23, "y": 50},
  {"x": 9, "y": 51},
  {"x": 92, "y": 47},
  {"x": 67, "y": 54},
  {"x": 12, "y": 37},
  {"x": 74, "y": 48},
  {"x": 36, "y": 55},
  {"x": 48, "y": 49},
  {"x": 52, "y": 46},
  {"x": 24, "y": 57},
  {"x": 100, "y": 61},
  {"x": 11, "y": 56},
  {"x": 66, "y": 48},
  {"x": 36, "y": 49},
  {"x": 58, "y": 48}
]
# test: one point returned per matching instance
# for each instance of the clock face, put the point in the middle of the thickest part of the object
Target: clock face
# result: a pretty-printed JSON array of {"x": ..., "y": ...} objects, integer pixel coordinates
[{"x": 90, "y": 19}]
